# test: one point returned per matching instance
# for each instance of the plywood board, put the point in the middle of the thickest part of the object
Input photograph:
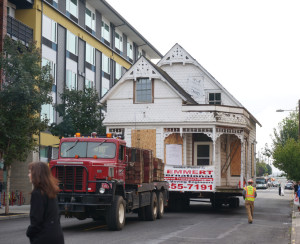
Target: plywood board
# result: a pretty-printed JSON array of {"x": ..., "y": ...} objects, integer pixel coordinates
[
  {"x": 235, "y": 155},
  {"x": 144, "y": 139}
]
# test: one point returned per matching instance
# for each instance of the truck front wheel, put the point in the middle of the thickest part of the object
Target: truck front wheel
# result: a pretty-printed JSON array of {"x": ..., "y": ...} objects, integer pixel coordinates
[
  {"x": 151, "y": 210},
  {"x": 115, "y": 217}
]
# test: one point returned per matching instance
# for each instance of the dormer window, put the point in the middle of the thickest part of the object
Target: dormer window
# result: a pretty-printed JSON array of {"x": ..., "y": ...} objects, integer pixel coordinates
[
  {"x": 143, "y": 90},
  {"x": 214, "y": 98}
]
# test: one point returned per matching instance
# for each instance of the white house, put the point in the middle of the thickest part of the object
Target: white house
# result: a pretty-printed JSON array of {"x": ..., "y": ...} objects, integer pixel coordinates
[{"x": 177, "y": 108}]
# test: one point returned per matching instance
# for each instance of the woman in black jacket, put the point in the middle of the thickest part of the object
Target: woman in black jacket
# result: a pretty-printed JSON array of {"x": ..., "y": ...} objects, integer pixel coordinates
[{"x": 44, "y": 225}]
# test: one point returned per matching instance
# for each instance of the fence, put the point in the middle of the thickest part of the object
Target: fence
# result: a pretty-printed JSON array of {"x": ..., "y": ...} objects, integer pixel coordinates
[{"x": 15, "y": 198}]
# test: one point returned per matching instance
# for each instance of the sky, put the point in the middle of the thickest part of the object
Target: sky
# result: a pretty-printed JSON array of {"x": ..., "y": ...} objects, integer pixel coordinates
[{"x": 251, "y": 47}]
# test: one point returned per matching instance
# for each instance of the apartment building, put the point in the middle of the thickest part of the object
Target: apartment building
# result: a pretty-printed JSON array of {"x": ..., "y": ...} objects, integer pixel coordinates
[{"x": 87, "y": 44}]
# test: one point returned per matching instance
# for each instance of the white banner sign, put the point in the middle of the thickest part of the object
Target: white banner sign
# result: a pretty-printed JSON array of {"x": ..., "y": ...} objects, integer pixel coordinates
[{"x": 190, "y": 178}]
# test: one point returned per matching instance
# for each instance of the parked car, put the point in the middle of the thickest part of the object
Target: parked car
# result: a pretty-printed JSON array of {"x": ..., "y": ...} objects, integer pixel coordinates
[
  {"x": 289, "y": 186},
  {"x": 275, "y": 183}
]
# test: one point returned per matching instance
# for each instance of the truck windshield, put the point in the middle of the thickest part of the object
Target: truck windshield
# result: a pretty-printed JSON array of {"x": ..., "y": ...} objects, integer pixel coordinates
[
  {"x": 88, "y": 149},
  {"x": 261, "y": 181}
]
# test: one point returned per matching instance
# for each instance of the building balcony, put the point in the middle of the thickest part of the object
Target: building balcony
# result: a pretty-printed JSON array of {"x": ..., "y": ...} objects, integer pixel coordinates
[{"x": 18, "y": 31}]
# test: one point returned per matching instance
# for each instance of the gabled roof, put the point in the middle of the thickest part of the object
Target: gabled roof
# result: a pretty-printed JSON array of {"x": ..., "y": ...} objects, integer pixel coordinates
[
  {"x": 178, "y": 54},
  {"x": 143, "y": 67}
]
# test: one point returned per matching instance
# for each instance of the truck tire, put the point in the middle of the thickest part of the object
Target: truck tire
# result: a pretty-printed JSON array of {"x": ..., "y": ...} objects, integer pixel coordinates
[
  {"x": 115, "y": 217},
  {"x": 160, "y": 204},
  {"x": 151, "y": 210}
]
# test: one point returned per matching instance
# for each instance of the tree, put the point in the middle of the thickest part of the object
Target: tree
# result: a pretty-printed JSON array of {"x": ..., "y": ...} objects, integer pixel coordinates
[
  {"x": 25, "y": 87},
  {"x": 286, "y": 146},
  {"x": 288, "y": 128},
  {"x": 287, "y": 158},
  {"x": 80, "y": 112},
  {"x": 261, "y": 168},
  {"x": 269, "y": 169}
]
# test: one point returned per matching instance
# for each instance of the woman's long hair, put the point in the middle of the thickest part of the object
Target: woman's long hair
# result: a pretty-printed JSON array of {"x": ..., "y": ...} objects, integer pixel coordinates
[{"x": 42, "y": 179}]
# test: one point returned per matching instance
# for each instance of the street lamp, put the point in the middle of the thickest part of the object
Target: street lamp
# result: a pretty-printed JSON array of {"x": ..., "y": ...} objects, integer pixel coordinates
[{"x": 283, "y": 110}]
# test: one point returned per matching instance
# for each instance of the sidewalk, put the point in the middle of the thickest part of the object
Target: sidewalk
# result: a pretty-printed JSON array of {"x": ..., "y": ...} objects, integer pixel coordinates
[
  {"x": 15, "y": 212},
  {"x": 295, "y": 232}
]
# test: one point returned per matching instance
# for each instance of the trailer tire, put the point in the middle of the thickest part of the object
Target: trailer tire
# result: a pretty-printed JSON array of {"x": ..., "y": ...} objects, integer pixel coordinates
[
  {"x": 160, "y": 204},
  {"x": 115, "y": 217},
  {"x": 151, "y": 210}
]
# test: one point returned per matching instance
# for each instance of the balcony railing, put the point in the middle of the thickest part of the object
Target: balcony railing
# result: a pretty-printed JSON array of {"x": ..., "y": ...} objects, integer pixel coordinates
[{"x": 18, "y": 31}]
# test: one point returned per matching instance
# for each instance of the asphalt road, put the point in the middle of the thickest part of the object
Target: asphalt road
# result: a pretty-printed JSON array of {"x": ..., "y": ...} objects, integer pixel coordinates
[{"x": 199, "y": 224}]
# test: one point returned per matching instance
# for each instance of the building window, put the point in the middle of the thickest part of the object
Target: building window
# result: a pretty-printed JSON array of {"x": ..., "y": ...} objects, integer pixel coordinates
[
  {"x": 47, "y": 112},
  {"x": 118, "y": 73},
  {"x": 105, "y": 64},
  {"x": 90, "y": 54},
  {"x": 143, "y": 91},
  {"x": 119, "y": 42},
  {"x": 72, "y": 42},
  {"x": 90, "y": 19},
  {"x": 49, "y": 29},
  {"x": 202, "y": 153},
  {"x": 52, "y": 68},
  {"x": 71, "y": 80},
  {"x": 140, "y": 53},
  {"x": 214, "y": 98},
  {"x": 89, "y": 83},
  {"x": 104, "y": 87},
  {"x": 105, "y": 31},
  {"x": 130, "y": 51},
  {"x": 72, "y": 7}
]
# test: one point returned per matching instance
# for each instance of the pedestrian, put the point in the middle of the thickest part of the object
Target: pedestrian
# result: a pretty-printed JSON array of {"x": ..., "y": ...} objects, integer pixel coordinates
[
  {"x": 44, "y": 225},
  {"x": 282, "y": 188},
  {"x": 249, "y": 195},
  {"x": 296, "y": 186},
  {"x": 279, "y": 188}
]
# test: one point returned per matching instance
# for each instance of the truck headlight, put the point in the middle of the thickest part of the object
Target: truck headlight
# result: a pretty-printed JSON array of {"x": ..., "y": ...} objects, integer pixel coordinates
[{"x": 101, "y": 190}]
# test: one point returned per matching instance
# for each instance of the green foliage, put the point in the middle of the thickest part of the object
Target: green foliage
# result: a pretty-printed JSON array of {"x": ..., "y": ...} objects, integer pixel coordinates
[
  {"x": 286, "y": 146},
  {"x": 287, "y": 129},
  {"x": 263, "y": 169},
  {"x": 80, "y": 112},
  {"x": 25, "y": 88},
  {"x": 287, "y": 158}
]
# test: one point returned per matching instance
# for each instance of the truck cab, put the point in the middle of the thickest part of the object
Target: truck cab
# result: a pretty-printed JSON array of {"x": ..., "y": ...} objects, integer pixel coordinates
[{"x": 85, "y": 168}]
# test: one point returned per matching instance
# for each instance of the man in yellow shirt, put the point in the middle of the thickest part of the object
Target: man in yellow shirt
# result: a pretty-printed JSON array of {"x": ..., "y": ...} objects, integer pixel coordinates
[{"x": 249, "y": 194}]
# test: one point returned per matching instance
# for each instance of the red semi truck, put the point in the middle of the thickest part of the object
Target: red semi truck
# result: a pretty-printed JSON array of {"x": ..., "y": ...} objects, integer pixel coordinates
[{"x": 99, "y": 177}]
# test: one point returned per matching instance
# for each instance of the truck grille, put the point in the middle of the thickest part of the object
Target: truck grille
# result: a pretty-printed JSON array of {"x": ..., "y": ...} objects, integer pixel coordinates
[{"x": 71, "y": 178}]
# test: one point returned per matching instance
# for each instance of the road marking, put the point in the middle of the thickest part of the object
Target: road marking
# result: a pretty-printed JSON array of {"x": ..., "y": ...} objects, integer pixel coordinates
[{"x": 96, "y": 227}]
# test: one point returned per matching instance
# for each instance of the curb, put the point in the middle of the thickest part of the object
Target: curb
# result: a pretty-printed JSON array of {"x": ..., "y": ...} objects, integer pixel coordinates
[
  {"x": 14, "y": 216},
  {"x": 293, "y": 232}
]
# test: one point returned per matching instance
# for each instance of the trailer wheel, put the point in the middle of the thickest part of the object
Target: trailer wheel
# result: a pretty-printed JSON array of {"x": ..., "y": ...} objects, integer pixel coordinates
[
  {"x": 115, "y": 217},
  {"x": 161, "y": 205},
  {"x": 151, "y": 210}
]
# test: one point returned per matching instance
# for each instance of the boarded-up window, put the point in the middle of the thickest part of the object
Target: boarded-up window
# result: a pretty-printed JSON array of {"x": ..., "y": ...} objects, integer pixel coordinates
[
  {"x": 235, "y": 156},
  {"x": 173, "y": 139},
  {"x": 144, "y": 139}
]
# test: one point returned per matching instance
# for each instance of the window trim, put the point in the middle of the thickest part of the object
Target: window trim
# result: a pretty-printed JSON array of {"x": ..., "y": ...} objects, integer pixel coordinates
[
  {"x": 134, "y": 90},
  {"x": 214, "y": 102},
  {"x": 203, "y": 143}
]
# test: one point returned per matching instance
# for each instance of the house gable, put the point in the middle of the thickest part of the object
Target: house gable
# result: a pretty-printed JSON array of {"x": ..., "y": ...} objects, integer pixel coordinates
[
  {"x": 144, "y": 68},
  {"x": 193, "y": 78}
]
